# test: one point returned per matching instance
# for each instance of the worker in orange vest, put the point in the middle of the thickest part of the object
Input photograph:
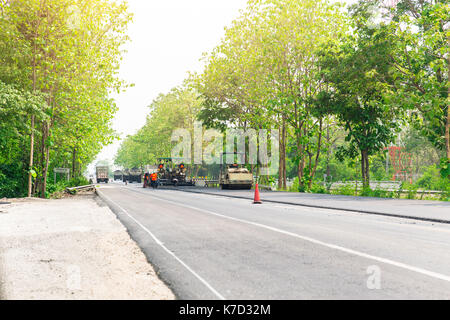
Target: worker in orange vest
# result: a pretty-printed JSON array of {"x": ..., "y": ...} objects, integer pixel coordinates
[{"x": 154, "y": 180}]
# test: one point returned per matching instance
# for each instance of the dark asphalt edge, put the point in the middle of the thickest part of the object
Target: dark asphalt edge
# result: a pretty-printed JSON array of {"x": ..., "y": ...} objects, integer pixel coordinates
[
  {"x": 324, "y": 207},
  {"x": 128, "y": 226}
]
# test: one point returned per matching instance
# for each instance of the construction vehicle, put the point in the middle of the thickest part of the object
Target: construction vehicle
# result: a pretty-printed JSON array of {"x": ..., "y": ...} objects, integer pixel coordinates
[
  {"x": 170, "y": 174},
  {"x": 135, "y": 175},
  {"x": 118, "y": 175},
  {"x": 102, "y": 174},
  {"x": 132, "y": 175},
  {"x": 234, "y": 176},
  {"x": 125, "y": 175}
]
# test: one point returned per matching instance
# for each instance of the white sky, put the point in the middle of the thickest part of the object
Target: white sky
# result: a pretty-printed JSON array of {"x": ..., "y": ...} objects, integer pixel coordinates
[{"x": 168, "y": 38}]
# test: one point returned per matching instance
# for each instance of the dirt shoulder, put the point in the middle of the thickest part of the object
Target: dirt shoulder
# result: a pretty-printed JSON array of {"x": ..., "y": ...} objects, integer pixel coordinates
[{"x": 72, "y": 248}]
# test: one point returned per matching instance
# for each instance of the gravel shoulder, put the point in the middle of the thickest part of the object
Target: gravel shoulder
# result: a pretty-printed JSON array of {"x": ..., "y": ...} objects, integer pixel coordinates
[{"x": 73, "y": 248}]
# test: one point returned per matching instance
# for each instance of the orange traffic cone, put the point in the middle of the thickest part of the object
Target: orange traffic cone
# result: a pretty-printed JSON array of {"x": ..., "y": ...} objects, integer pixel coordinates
[{"x": 257, "y": 199}]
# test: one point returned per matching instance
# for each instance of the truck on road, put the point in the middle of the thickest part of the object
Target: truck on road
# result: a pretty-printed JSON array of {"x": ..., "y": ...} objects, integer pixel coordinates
[{"x": 102, "y": 174}]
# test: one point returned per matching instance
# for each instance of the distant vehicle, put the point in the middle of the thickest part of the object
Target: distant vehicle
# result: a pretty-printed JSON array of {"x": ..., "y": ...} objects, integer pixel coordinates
[
  {"x": 118, "y": 175},
  {"x": 102, "y": 174},
  {"x": 125, "y": 175},
  {"x": 234, "y": 176},
  {"x": 132, "y": 175},
  {"x": 170, "y": 174}
]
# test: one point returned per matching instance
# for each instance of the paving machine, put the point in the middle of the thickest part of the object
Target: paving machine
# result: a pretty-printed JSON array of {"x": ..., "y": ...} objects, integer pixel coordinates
[
  {"x": 170, "y": 174},
  {"x": 234, "y": 176}
]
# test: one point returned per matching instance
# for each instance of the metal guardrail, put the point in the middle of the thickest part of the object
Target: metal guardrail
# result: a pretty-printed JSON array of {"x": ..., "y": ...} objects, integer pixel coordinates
[
  {"x": 81, "y": 188},
  {"x": 388, "y": 186}
]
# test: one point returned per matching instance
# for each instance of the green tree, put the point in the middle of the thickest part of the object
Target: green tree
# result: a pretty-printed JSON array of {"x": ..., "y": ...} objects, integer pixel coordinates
[
  {"x": 265, "y": 72},
  {"x": 176, "y": 109},
  {"x": 420, "y": 65},
  {"x": 356, "y": 95},
  {"x": 70, "y": 51}
]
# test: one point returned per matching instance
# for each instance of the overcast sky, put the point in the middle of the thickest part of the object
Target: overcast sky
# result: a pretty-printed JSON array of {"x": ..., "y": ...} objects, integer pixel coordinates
[{"x": 168, "y": 38}]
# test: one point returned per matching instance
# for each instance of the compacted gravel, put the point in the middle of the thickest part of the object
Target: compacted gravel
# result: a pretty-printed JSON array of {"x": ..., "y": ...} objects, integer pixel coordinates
[{"x": 73, "y": 248}]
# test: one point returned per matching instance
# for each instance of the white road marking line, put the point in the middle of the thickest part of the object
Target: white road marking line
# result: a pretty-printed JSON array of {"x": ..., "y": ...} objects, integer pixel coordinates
[
  {"x": 168, "y": 251},
  {"x": 325, "y": 244},
  {"x": 294, "y": 209}
]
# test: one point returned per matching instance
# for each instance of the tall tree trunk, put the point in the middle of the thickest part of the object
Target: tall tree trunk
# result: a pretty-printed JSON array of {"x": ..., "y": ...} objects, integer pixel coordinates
[
  {"x": 301, "y": 154},
  {"x": 365, "y": 168},
  {"x": 447, "y": 125},
  {"x": 284, "y": 154},
  {"x": 319, "y": 147},
  {"x": 301, "y": 160},
  {"x": 45, "y": 157},
  {"x": 328, "y": 152},
  {"x": 30, "y": 177},
  {"x": 74, "y": 157},
  {"x": 282, "y": 163}
]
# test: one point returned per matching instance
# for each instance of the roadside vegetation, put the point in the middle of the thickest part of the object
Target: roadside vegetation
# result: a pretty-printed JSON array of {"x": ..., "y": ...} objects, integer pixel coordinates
[
  {"x": 59, "y": 62},
  {"x": 340, "y": 85}
]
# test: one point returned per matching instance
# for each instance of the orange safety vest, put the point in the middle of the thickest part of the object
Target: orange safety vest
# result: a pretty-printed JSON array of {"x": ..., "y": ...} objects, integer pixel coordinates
[{"x": 154, "y": 177}]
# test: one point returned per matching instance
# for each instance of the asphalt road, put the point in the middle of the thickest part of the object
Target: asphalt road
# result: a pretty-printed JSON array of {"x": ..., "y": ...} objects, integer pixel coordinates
[
  {"x": 434, "y": 211},
  {"x": 215, "y": 247}
]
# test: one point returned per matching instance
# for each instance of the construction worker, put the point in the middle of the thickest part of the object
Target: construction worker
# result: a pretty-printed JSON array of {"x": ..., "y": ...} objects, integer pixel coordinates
[
  {"x": 154, "y": 180},
  {"x": 146, "y": 180}
]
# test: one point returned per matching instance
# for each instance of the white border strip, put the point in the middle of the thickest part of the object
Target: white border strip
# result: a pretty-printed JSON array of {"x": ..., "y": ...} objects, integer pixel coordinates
[
  {"x": 167, "y": 250},
  {"x": 328, "y": 245}
]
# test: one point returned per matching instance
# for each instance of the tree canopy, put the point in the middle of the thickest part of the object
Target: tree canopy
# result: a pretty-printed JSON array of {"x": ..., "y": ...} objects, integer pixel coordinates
[{"x": 67, "y": 53}]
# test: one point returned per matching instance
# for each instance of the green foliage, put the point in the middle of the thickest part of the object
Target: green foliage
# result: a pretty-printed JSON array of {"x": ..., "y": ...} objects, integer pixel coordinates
[
  {"x": 318, "y": 188},
  {"x": 344, "y": 190},
  {"x": 377, "y": 193},
  {"x": 411, "y": 190},
  {"x": 265, "y": 73},
  {"x": 55, "y": 190},
  {"x": 343, "y": 85},
  {"x": 59, "y": 61},
  {"x": 419, "y": 64},
  {"x": 295, "y": 186},
  {"x": 431, "y": 180},
  {"x": 445, "y": 168},
  {"x": 174, "y": 110},
  {"x": 12, "y": 181},
  {"x": 356, "y": 96}
]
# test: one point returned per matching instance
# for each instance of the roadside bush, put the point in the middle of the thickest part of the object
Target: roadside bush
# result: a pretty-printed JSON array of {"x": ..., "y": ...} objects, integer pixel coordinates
[
  {"x": 295, "y": 186},
  {"x": 430, "y": 180},
  {"x": 445, "y": 196},
  {"x": 55, "y": 189},
  {"x": 12, "y": 181},
  {"x": 411, "y": 190},
  {"x": 318, "y": 188},
  {"x": 344, "y": 190},
  {"x": 77, "y": 182}
]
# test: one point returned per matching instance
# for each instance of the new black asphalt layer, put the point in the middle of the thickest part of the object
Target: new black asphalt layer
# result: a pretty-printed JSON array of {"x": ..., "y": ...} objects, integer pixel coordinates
[
  {"x": 432, "y": 211},
  {"x": 238, "y": 251}
]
